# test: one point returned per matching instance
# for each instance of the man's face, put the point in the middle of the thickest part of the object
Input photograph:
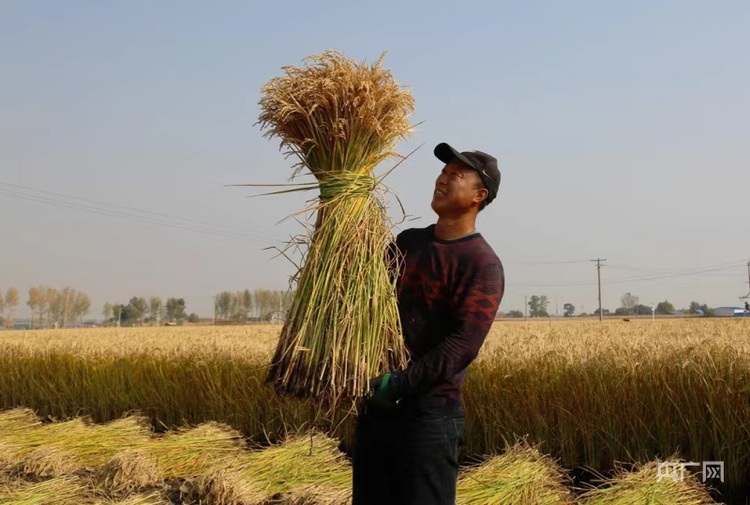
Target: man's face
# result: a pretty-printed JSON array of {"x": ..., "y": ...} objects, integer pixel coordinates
[{"x": 457, "y": 190}]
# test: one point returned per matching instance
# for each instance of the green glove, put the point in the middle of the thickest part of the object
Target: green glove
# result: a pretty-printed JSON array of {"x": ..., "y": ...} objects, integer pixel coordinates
[{"x": 385, "y": 390}]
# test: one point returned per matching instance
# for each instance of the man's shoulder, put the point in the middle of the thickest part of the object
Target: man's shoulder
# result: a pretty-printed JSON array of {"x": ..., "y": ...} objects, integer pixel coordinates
[
  {"x": 411, "y": 235},
  {"x": 481, "y": 250}
]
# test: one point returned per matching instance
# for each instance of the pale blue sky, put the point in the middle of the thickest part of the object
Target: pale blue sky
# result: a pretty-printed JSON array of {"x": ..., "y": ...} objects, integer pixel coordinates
[{"x": 622, "y": 130}]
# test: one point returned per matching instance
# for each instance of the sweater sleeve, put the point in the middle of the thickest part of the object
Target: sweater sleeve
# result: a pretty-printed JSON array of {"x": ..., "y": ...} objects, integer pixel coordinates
[{"x": 477, "y": 300}]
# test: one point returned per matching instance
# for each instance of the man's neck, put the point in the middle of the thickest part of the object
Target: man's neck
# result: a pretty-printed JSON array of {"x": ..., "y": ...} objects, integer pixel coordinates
[{"x": 448, "y": 228}]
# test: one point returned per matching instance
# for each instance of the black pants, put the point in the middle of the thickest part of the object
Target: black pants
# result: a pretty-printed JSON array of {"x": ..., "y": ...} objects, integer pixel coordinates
[{"x": 408, "y": 455}]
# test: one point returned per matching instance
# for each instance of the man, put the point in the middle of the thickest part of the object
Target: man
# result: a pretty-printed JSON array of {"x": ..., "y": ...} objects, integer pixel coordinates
[{"x": 449, "y": 288}]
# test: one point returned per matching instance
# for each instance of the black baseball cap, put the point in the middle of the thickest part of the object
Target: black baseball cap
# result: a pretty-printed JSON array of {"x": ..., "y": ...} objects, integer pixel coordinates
[{"x": 483, "y": 163}]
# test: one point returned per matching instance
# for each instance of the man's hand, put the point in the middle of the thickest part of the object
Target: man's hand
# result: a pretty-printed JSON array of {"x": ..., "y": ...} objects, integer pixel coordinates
[{"x": 385, "y": 389}]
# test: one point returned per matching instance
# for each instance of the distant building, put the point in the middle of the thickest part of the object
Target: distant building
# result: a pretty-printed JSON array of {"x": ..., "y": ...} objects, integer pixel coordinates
[{"x": 729, "y": 312}]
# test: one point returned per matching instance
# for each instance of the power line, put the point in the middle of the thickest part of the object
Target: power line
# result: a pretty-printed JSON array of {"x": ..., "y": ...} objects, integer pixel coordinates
[
  {"x": 552, "y": 262},
  {"x": 147, "y": 217},
  {"x": 681, "y": 273}
]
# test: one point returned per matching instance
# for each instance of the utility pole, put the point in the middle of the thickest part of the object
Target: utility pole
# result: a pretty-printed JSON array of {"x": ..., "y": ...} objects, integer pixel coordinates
[
  {"x": 525, "y": 306},
  {"x": 599, "y": 277},
  {"x": 748, "y": 280}
]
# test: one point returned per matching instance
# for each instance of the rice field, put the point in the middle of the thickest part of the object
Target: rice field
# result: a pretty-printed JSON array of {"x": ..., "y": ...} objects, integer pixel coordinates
[{"x": 592, "y": 398}]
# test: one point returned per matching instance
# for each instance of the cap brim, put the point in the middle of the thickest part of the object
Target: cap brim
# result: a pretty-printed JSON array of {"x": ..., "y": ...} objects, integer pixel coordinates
[{"x": 446, "y": 154}]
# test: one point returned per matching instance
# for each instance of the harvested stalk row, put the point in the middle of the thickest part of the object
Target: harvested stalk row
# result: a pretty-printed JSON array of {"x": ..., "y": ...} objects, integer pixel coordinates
[
  {"x": 303, "y": 466},
  {"x": 520, "y": 476},
  {"x": 58, "y": 491},
  {"x": 195, "y": 451},
  {"x": 86, "y": 443},
  {"x": 644, "y": 485},
  {"x": 341, "y": 120}
]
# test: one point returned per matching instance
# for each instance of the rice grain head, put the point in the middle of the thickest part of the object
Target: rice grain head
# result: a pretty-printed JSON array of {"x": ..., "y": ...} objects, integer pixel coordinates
[
  {"x": 522, "y": 475},
  {"x": 46, "y": 462},
  {"x": 332, "y": 104},
  {"x": 17, "y": 419},
  {"x": 317, "y": 495},
  {"x": 223, "y": 487},
  {"x": 127, "y": 473},
  {"x": 9, "y": 454},
  {"x": 56, "y": 491},
  {"x": 154, "y": 498}
]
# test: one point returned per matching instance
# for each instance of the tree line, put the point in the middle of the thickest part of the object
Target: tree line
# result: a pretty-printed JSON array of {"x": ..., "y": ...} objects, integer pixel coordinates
[
  {"x": 259, "y": 304},
  {"x": 50, "y": 307},
  {"x": 229, "y": 306},
  {"x": 140, "y": 311},
  {"x": 8, "y": 305},
  {"x": 63, "y": 307},
  {"x": 629, "y": 305}
]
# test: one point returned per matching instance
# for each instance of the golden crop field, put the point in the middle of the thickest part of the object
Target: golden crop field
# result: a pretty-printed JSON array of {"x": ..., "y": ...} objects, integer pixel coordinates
[{"x": 588, "y": 394}]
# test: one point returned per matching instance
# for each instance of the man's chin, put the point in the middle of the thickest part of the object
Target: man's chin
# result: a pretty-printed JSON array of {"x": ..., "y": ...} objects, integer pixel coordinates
[{"x": 437, "y": 206}]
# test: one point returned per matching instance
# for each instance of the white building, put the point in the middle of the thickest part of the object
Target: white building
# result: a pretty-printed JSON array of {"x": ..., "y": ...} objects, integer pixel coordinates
[{"x": 729, "y": 311}]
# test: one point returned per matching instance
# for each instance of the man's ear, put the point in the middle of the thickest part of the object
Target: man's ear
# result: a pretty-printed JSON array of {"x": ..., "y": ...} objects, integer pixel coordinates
[{"x": 482, "y": 195}]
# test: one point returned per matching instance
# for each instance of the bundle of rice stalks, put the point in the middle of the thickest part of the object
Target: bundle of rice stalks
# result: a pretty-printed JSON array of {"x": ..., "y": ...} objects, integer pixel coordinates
[
  {"x": 340, "y": 119},
  {"x": 153, "y": 498},
  {"x": 87, "y": 444},
  {"x": 195, "y": 451},
  {"x": 17, "y": 419},
  {"x": 223, "y": 487},
  {"x": 300, "y": 462},
  {"x": 127, "y": 473},
  {"x": 9, "y": 454},
  {"x": 45, "y": 462},
  {"x": 318, "y": 495},
  {"x": 303, "y": 466},
  {"x": 58, "y": 491},
  {"x": 522, "y": 475},
  {"x": 648, "y": 485}
]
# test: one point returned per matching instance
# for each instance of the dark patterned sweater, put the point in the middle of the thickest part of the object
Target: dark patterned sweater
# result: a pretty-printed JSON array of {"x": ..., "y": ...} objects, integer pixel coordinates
[{"x": 449, "y": 292}]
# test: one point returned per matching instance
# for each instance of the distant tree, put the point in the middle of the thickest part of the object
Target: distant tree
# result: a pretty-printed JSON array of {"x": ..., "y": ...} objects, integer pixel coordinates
[
  {"x": 223, "y": 303},
  {"x": 36, "y": 303},
  {"x": 629, "y": 303},
  {"x": 193, "y": 318},
  {"x": 107, "y": 312},
  {"x": 263, "y": 303},
  {"x": 81, "y": 306},
  {"x": 11, "y": 303},
  {"x": 605, "y": 312},
  {"x": 175, "y": 309},
  {"x": 697, "y": 308},
  {"x": 515, "y": 313},
  {"x": 2, "y": 310},
  {"x": 538, "y": 306},
  {"x": 247, "y": 303},
  {"x": 155, "y": 309},
  {"x": 664, "y": 307},
  {"x": 138, "y": 308},
  {"x": 122, "y": 315},
  {"x": 569, "y": 309},
  {"x": 642, "y": 310},
  {"x": 51, "y": 306}
]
